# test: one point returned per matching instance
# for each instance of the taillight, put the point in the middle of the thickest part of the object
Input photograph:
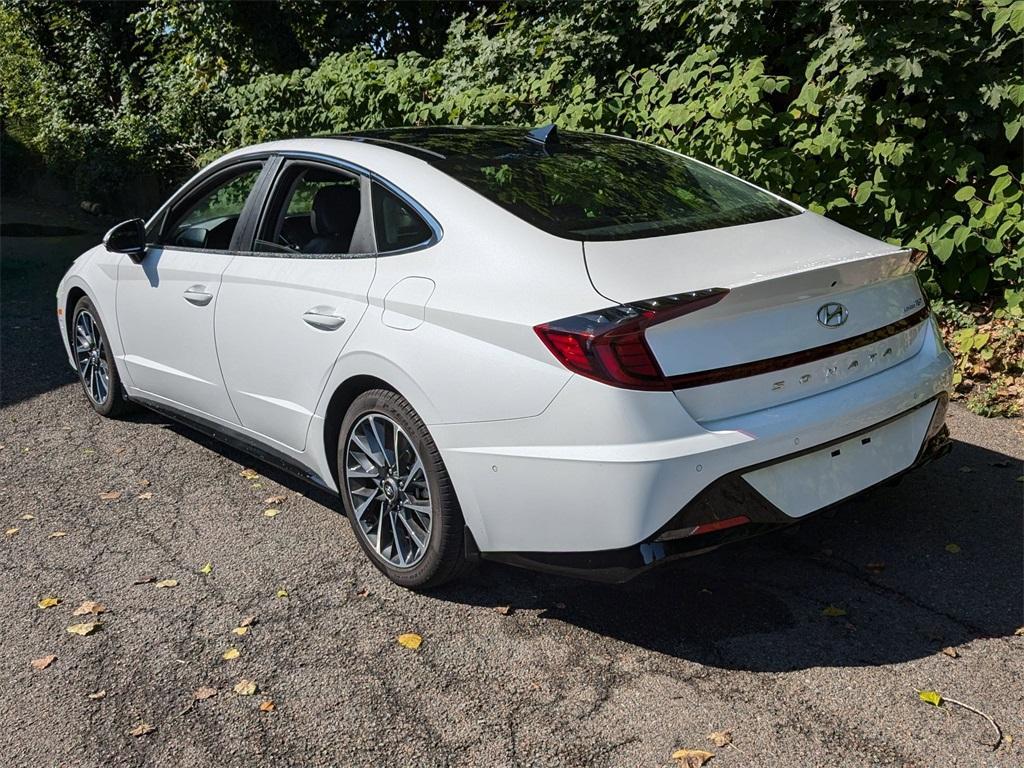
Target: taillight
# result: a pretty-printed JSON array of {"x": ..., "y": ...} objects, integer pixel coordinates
[{"x": 609, "y": 344}]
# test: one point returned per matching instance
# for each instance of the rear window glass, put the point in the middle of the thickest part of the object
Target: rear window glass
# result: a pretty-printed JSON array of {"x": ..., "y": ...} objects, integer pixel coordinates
[
  {"x": 395, "y": 223},
  {"x": 600, "y": 188}
]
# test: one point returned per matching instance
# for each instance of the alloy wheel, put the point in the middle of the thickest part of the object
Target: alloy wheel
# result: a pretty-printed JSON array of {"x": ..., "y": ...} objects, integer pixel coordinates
[
  {"x": 388, "y": 489},
  {"x": 90, "y": 352}
]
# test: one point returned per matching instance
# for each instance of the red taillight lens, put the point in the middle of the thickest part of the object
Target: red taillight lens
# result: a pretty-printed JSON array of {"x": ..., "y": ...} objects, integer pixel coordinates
[{"x": 609, "y": 344}]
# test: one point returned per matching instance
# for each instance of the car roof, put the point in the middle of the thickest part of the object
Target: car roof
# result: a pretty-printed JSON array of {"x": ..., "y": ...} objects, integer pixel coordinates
[{"x": 438, "y": 143}]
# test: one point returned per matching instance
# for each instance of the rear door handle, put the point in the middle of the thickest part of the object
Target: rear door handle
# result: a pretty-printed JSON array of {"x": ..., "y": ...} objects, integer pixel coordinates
[
  {"x": 323, "y": 318},
  {"x": 198, "y": 295}
]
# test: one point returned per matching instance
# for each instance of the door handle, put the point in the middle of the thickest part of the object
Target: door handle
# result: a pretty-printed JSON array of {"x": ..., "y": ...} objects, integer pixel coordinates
[
  {"x": 323, "y": 318},
  {"x": 198, "y": 295}
]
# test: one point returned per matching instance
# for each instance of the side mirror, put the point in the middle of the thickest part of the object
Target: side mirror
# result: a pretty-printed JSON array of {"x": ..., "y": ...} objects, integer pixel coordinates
[{"x": 127, "y": 237}]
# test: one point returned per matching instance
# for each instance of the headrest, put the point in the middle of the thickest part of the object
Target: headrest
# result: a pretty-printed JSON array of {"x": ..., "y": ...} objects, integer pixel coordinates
[{"x": 335, "y": 210}]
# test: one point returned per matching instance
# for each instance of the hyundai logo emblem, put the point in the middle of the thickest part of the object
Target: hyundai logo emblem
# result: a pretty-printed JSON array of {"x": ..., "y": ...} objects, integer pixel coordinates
[{"x": 832, "y": 315}]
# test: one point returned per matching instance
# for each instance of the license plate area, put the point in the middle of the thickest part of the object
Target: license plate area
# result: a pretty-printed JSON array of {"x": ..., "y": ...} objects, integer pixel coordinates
[{"x": 814, "y": 480}]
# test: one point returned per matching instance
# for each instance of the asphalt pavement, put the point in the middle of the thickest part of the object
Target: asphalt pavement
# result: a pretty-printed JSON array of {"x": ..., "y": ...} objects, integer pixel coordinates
[{"x": 810, "y": 646}]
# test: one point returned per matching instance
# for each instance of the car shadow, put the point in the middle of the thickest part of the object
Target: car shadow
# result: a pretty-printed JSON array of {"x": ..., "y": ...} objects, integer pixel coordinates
[{"x": 934, "y": 561}]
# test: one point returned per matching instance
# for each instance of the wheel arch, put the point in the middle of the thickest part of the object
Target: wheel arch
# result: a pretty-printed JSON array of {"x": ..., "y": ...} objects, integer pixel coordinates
[
  {"x": 75, "y": 294},
  {"x": 343, "y": 397}
]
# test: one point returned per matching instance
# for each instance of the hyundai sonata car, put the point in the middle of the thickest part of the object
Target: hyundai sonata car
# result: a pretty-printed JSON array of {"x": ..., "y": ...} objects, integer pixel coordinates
[{"x": 570, "y": 351}]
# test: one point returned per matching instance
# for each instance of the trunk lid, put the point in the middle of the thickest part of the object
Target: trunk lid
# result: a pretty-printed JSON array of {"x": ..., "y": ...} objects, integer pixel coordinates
[{"x": 764, "y": 340}]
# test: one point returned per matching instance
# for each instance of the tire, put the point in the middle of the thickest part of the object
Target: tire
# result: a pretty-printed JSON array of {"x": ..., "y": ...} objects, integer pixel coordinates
[
  {"x": 96, "y": 369},
  {"x": 427, "y": 550}
]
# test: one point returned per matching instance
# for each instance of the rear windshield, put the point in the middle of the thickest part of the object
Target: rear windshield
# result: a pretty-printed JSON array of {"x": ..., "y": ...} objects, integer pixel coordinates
[{"x": 599, "y": 188}]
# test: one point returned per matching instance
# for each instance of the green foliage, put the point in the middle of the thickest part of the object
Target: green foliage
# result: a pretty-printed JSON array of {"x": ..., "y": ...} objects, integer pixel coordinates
[{"x": 903, "y": 120}]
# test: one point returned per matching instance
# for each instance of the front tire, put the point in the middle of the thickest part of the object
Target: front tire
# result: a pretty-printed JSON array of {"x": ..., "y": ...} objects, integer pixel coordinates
[
  {"x": 96, "y": 369},
  {"x": 397, "y": 493}
]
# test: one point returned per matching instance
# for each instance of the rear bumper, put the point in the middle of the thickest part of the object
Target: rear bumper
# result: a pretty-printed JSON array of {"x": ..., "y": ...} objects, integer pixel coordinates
[{"x": 722, "y": 500}]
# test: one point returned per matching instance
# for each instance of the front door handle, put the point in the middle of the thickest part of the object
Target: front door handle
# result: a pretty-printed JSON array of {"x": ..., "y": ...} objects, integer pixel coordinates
[
  {"x": 324, "y": 318},
  {"x": 198, "y": 295}
]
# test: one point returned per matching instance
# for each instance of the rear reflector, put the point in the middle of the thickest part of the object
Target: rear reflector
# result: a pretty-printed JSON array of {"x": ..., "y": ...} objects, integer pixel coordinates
[
  {"x": 696, "y": 530},
  {"x": 609, "y": 345}
]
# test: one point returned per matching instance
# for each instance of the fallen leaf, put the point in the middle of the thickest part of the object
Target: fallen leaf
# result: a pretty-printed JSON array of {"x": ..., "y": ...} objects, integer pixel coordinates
[
  {"x": 85, "y": 628},
  {"x": 953, "y": 548},
  {"x": 720, "y": 738},
  {"x": 832, "y": 611},
  {"x": 204, "y": 693},
  {"x": 931, "y": 697},
  {"x": 145, "y": 496},
  {"x": 875, "y": 567},
  {"x": 144, "y": 580},
  {"x": 951, "y": 652},
  {"x": 364, "y": 592},
  {"x": 27, "y": 516},
  {"x": 249, "y": 474},
  {"x": 504, "y": 610},
  {"x": 141, "y": 730},
  {"x": 98, "y": 695},
  {"x": 267, "y": 706},
  {"x": 240, "y": 630},
  {"x": 57, "y": 534},
  {"x": 207, "y": 569},
  {"x": 11, "y": 532},
  {"x": 274, "y": 500},
  {"x": 144, "y": 483},
  {"x": 89, "y": 607},
  {"x": 110, "y": 495},
  {"x": 256, "y": 486},
  {"x": 49, "y": 602},
  {"x": 245, "y": 687},
  {"x": 271, "y": 512},
  {"x": 167, "y": 584},
  {"x": 44, "y": 662},
  {"x": 231, "y": 653},
  {"x": 965, "y": 470},
  {"x": 692, "y": 758},
  {"x": 1018, "y": 632},
  {"x": 248, "y": 621},
  {"x": 282, "y": 592},
  {"x": 410, "y": 640}
]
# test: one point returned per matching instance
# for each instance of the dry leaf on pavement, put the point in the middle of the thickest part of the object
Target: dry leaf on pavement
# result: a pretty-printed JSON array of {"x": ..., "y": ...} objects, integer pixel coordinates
[
  {"x": 43, "y": 663},
  {"x": 1018, "y": 632},
  {"x": 410, "y": 640},
  {"x": 248, "y": 621},
  {"x": 282, "y": 592},
  {"x": 204, "y": 693},
  {"x": 110, "y": 495},
  {"x": 953, "y": 548},
  {"x": 231, "y": 653},
  {"x": 146, "y": 496},
  {"x": 931, "y": 697},
  {"x": 240, "y": 631},
  {"x": 833, "y": 611},
  {"x": 167, "y": 584},
  {"x": 141, "y": 730},
  {"x": 207, "y": 569},
  {"x": 720, "y": 738},
  {"x": 951, "y": 652},
  {"x": 267, "y": 706},
  {"x": 249, "y": 474},
  {"x": 692, "y": 758},
  {"x": 89, "y": 607},
  {"x": 144, "y": 580},
  {"x": 27, "y": 516},
  {"x": 271, "y": 512},
  {"x": 85, "y": 628},
  {"x": 98, "y": 695},
  {"x": 11, "y": 532},
  {"x": 57, "y": 534},
  {"x": 504, "y": 610},
  {"x": 49, "y": 602},
  {"x": 245, "y": 687},
  {"x": 274, "y": 500}
]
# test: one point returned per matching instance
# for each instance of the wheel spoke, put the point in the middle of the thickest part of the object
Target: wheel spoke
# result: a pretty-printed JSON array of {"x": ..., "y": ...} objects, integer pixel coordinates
[{"x": 417, "y": 468}]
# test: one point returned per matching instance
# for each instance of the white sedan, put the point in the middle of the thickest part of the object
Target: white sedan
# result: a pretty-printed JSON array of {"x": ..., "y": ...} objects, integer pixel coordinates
[{"x": 574, "y": 352}]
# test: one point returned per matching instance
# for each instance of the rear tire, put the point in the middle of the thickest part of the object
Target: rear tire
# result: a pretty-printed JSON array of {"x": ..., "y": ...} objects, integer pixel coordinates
[
  {"x": 397, "y": 493},
  {"x": 96, "y": 369}
]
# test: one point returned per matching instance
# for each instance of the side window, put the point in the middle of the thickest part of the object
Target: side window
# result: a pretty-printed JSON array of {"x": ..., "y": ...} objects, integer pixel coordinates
[
  {"x": 210, "y": 221},
  {"x": 313, "y": 210},
  {"x": 395, "y": 222}
]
